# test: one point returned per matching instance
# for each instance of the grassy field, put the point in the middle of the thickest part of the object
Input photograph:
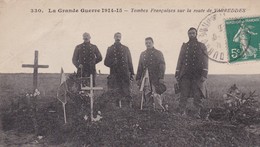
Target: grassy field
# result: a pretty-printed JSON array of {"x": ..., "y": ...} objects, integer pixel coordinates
[{"x": 126, "y": 126}]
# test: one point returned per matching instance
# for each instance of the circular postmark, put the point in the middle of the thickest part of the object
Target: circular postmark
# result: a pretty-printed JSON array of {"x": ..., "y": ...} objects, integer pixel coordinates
[{"x": 211, "y": 32}]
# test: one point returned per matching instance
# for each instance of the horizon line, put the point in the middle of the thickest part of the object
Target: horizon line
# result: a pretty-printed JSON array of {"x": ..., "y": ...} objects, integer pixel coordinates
[{"x": 135, "y": 74}]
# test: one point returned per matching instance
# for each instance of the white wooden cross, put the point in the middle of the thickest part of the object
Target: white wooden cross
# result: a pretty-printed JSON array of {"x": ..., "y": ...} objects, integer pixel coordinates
[{"x": 91, "y": 88}]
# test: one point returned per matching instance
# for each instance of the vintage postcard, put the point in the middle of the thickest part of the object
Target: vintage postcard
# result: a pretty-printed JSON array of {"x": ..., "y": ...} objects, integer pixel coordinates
[{"x": 129, "y": 73}]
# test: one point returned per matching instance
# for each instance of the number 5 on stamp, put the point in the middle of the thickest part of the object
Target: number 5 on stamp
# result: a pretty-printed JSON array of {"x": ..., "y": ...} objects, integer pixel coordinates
[{"x": 243, "y": 39}]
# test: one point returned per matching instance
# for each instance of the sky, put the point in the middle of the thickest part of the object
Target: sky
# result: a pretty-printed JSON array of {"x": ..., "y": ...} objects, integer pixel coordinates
[{"x": 55, "y": 35}]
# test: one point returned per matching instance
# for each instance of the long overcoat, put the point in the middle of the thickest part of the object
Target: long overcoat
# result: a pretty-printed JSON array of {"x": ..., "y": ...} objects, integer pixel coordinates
[
  {"x": 153, "y": 61},
  {"x": 193, "y": 61},
  {"x": 88, "y": 55},
  {"x": 119, "y": 60}
]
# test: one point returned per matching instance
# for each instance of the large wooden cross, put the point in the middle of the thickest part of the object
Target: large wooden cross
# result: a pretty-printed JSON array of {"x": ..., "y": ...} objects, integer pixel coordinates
[
  {"x": 91, "y": 88},
  {"x": 35, "y": 67}
]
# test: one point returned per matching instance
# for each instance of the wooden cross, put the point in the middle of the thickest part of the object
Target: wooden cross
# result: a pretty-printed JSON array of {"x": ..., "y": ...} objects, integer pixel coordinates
[
  {"x": 35, "y": 67},
  {"x": 91, "y": 94}
]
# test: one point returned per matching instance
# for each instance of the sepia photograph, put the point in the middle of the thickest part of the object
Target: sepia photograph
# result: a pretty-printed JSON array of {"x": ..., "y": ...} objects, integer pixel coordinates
[{"x": 128, "y": 73}]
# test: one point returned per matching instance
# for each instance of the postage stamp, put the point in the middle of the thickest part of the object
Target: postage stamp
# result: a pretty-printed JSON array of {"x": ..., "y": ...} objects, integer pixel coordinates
[{"x": 243, "y": 39}]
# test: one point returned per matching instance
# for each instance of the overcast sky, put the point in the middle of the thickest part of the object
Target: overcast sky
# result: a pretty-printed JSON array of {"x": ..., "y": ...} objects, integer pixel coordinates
[{"x": 55, "y": 35}]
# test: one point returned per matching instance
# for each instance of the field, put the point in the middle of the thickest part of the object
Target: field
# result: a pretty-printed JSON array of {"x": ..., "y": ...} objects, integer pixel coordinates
[{"x": 120, "y": 127}]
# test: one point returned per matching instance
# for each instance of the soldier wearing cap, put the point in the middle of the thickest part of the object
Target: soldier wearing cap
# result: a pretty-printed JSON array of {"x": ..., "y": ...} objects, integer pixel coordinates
[
  {"x": 119, "y": 60},
  {"x": 85, "y": 58},
  {"x": 191, "y": 72},
  {"x": 152, "y": 60}
]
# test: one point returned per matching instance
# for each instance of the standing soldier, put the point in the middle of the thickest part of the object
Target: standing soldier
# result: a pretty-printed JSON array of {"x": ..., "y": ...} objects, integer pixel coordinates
[
  {"x": 85, "y": 58},
  {"x": 152, "y": 60},
  {"x": 119, "y": 60},
  {"x": 191, "y": 72}
]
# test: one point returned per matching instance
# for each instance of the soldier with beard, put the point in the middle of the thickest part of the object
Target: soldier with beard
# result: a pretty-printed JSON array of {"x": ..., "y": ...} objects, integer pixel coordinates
[
  {"x": 85, "y": 58},
  {"x": 119, "y": 60},
  {"x": 191, "y": 72}
]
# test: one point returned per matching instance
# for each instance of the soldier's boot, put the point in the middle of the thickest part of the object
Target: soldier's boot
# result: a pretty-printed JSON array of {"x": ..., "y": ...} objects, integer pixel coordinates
[
  {"x": 197, "y": 102},
  {"x": 182, "y": 106}
]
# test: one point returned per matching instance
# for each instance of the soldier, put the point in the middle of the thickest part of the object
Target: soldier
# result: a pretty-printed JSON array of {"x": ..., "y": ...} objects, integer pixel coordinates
[
  {"x": 85, "y": 58},
  {"x": 191, "y": 72},
  {"x": 152, "y": 60},
  {"x": 119, "y": 60}
]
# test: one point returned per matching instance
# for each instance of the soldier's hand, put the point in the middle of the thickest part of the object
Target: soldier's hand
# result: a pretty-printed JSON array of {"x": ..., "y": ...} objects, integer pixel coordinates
[{"x": 80, "y": 66}]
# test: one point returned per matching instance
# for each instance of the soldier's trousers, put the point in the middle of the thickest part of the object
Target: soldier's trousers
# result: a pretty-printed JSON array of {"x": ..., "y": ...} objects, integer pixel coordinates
[
  {"x": 189, "y": 89},
  {"x": 120, "y": 85},
  {"x": 124, "y": 87}
]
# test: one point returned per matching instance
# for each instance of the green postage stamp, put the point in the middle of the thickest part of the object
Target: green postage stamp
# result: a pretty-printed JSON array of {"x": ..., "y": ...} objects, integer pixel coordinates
[{"x": 243, "y": 39}]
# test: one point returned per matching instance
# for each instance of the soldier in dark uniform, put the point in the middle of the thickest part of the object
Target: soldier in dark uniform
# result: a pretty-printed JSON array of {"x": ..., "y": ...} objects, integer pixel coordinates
[
  {"x": 191, "y": 72},
  {"x": 119, "y": 60},
  {"x": 152, "y": 60},
  {"x": 85, "y": 58}
]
